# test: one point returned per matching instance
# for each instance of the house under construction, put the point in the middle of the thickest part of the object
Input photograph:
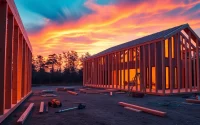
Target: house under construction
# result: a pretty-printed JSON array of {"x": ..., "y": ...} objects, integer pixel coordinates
[
  {"x": 165, "y": 62},
  {"x": 15, "y": 60}
]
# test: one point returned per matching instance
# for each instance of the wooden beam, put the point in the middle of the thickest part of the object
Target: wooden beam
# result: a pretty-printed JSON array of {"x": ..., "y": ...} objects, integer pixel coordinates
[
  {"x": 177, "y": 41},
  {"x": 23, "y": 67},
  {"x": 190, "y": 63},
  {"x": 197, "y": 64},
  {"x": 8, "y": 79},
  {"x": 128, "y": 60},
  {"x": 150, "y": 69},
  {"x": 106, "y": 71},
  {"x": 19, "y": 79},
  {"x": 15, "y": 65},
  {"x": 170, "y": 65},
  {"x": 186, "y": 68},
  {"x": 132, "y": 109},
  {"x": 144, "y": 109},
  {"x": 124, "y": 55},
  {"x": 73, "y": 93},
  {"x": 144, "y": 71},
  {"x": 163, "y": 66},
  {"x": 117, "y": 76},
  {"x": 109, "y": 71},
  {"x": 23, "y": 117},
  {"x": 112, "y": 61},
  {"x": 193, "y": 101},
  {"x": 3, "y": 38},
  {"x": 41, "y": 107},
  {"x": 156, "y": 66},
  {"x": 135, "y": 51}
]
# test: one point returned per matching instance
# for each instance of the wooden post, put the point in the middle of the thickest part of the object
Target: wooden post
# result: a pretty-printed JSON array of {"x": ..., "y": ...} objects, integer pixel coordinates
[
  {"x": 190, "y": 63},
  {"x": 156, "y": 66},
  {"x": 112, "y": 61},
  {"x": 30, "y": 83},
  {"x": 98, "y": 72},
  {"x": 109, "y": 71},
  {"x": 19, "y": 79},
  {"x": 136, "y": 67},
  {"x": 170, "y": 65},
  {"x": 197, "y": 63},
  {"x": 177, "y": 41},
  {"x": 8, "y": 80},
  {"x": 15, "y": 64},
  {"x": 163, "y": 66},
  {"x": 117, "y": 76},
  {"x": 128, "y": 59},
  {"x": 150, "y": 69},
  {"x": 3, "y": 38},
  {"x": 144, "y": 70},
  {"x": 106, "y": 70},
  {"x": 186, "y": 67},
  {"x": 141, "y": 68},
  {"x": 23, "y": 67},
  {"x": 124, "y": 55}
]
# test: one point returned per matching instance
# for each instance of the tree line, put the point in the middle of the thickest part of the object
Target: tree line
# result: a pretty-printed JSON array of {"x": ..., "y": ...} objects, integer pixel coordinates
[{"x": 66, "y": 67}]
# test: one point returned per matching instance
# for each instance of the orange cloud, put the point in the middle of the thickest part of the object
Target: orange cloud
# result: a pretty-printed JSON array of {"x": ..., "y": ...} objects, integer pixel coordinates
[{"x": 111, "y": 25}]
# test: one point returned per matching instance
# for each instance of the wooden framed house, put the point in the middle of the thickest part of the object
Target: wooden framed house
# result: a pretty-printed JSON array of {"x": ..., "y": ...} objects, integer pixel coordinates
[{"x": 166, "y": 62}]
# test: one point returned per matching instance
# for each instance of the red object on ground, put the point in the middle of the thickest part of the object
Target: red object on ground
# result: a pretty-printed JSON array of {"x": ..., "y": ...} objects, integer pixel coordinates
[
  {"x": 73, "y": 93},
  {"x": 193, "y": 101},
  {"x": 144, "y": 109}
]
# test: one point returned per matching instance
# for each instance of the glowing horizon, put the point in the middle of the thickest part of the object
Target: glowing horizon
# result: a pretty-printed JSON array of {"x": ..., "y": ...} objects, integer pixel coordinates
[{"x": 95, "y": 25}]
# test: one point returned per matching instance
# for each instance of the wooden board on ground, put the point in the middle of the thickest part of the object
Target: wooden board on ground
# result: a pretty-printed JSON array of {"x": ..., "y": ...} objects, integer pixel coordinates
[
  {"x": 132, "y": 109},
  {"x": 25, "y": 114},
  {"x": 71, "y": 92},
  {"x": 49, "y": 95},
  {"x": 65, "y": 89},
  {"x": 144, "y": 109},
  {"x": 97, "y": 91},
  {"x": 41, "y": 107},
  {"x": 193, "y": 101}
]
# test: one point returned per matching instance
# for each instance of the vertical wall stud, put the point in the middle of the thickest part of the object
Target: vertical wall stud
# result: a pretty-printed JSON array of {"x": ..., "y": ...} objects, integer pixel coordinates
[{"x": 163, "y": 66}]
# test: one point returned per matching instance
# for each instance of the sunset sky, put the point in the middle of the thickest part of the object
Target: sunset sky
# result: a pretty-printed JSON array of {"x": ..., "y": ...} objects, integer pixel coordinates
[{"x": 54, "y": 26}]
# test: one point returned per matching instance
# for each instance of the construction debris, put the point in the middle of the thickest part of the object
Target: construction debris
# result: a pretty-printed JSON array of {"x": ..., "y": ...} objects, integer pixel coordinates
[
  {"x": 25, "y": 114},
  {"x": 193, "y": 101},
  {"x": 144, "y": 109},
  {"x": 41, "y": 107},
  {"x": 71, "y": 92},
  {"x": 80, "y": 106}
]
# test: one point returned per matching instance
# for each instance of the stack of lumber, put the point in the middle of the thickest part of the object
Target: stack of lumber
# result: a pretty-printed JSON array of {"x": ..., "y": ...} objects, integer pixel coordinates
[{"x": 144, "y": 109}]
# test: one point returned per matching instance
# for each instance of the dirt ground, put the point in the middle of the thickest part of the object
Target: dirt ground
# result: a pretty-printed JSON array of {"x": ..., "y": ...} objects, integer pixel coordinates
[{"x": 103, "y": 109}]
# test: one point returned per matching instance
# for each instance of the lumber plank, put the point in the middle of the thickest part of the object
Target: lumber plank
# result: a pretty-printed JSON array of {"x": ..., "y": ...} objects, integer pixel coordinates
[
  {"x": 144, "y": 109},
  {"x": 132, "y": 109},
  {"x": 193, "y": 101},
  {"x": 41, "y": 107},
  {"x": 73, "y": 93},
  {"x": 25, "y": 114}
]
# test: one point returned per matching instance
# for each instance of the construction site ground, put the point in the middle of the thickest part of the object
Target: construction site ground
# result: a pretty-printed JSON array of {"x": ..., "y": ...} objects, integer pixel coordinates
[{"x": 103, "y": 109}]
